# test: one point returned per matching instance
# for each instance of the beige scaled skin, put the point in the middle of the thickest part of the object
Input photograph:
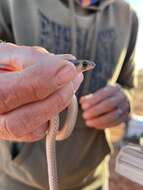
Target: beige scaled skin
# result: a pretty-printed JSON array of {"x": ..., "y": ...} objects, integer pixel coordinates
[{"x": 53, "y": 132}]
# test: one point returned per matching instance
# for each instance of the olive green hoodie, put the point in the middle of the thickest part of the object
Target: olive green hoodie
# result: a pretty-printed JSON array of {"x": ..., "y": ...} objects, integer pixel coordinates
[{"x": 105, "y": 33}]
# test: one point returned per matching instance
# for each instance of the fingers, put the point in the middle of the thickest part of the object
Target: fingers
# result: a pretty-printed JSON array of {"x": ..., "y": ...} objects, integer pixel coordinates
[
  {"x": 34, "y": 83},
  {"x": 29, "y": 117},
  {"x": 39, "y": 74},
  {"x": 105, "y": 106},
  {"x": 109, "y": 111},
  {"x": 19, "y": 124},
  {"x": 35, "y": 135},
  {"x": 100, "y": 95},
  {"x": 108, "y": 120},
  {"x": 40, "y": 86}
]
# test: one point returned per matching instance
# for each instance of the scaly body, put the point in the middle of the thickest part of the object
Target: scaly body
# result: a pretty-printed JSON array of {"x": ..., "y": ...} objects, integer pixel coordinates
[{"x": 53, "y": 134}]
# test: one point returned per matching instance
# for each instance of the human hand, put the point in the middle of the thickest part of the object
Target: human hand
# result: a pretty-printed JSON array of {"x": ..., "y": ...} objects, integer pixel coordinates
[
  {"x": 40, "y": 86},
  {"x": 105, "y": 108}
]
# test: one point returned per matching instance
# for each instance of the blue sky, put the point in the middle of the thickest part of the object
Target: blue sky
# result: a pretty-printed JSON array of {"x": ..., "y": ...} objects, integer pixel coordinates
[{"x": 138, "y": 6}]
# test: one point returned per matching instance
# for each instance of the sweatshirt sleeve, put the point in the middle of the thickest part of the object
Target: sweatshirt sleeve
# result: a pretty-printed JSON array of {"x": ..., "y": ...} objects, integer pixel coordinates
[
  {"x": 6, "y": 33},
  {"x": 127, "y": 76}
]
